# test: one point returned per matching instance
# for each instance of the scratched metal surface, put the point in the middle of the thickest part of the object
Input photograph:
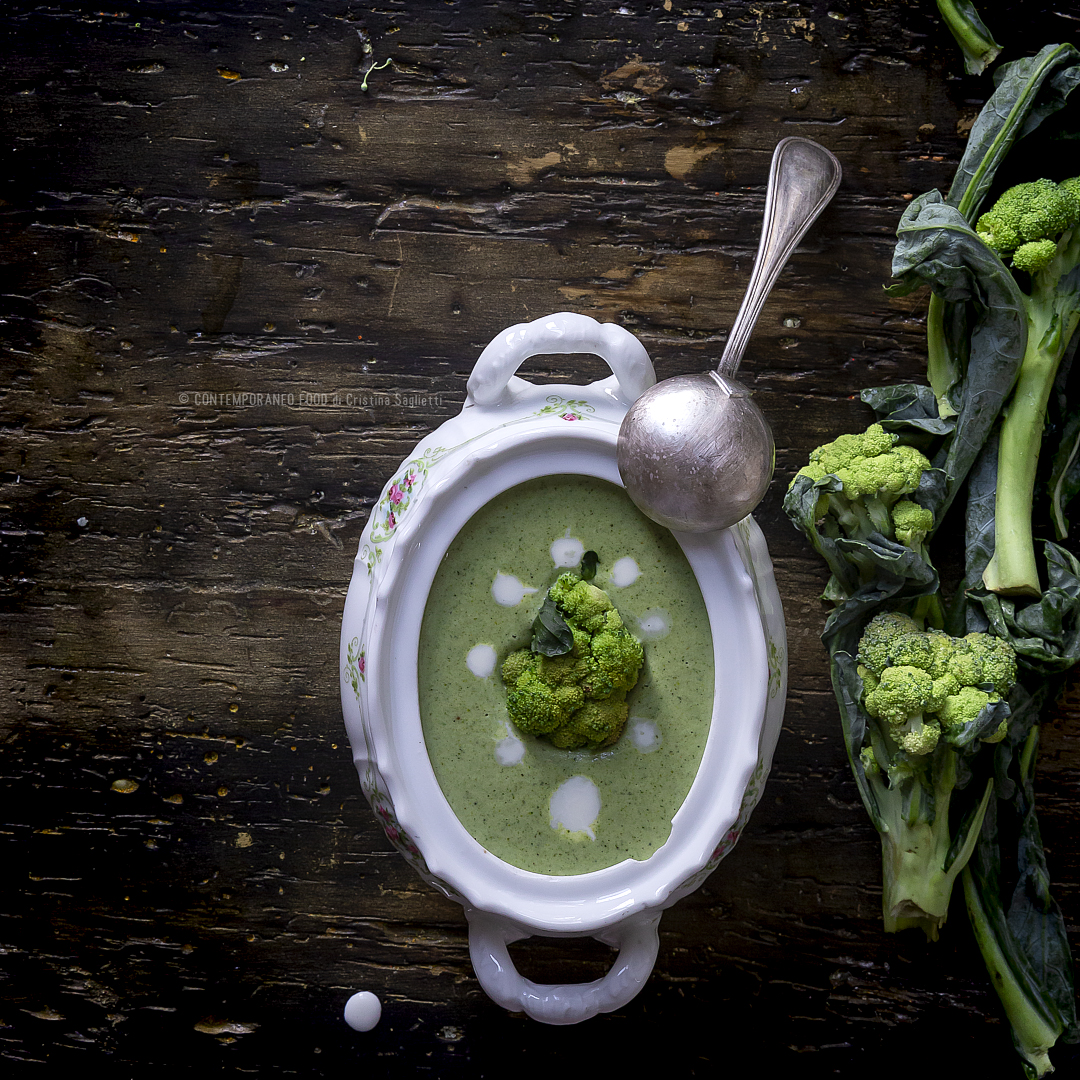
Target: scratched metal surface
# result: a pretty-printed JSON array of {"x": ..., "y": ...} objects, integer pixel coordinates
[{"x": 205, "y": 205}]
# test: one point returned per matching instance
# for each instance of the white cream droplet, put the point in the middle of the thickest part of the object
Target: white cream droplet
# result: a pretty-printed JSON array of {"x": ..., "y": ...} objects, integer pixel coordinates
[
  {"x": 567, "y": 551},
  {"x": 363, "y": 1011},
  {"x": 644, "y": 734},
  {"x": 508, "y": 590},
  {"x": 575, "y": 806},
  {"x": 511, "y": 750},
  {"x": 654, "y": 624},
  {"x": 481, "y": 660},
  {"x": 624, "y": 572}
]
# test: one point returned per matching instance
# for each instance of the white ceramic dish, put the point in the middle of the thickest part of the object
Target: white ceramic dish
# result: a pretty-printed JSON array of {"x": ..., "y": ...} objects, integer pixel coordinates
[{"x": 510, "y": 431}]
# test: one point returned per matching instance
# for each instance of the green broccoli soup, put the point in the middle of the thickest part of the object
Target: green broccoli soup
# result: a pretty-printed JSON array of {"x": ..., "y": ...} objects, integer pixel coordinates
[{"x": 534, "y": 805}]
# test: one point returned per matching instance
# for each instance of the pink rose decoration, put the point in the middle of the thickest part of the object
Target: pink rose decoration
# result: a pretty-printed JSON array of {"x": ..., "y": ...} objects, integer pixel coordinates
[
  {"x": 569, "y": 416},
  {"x": 396, "y": 494},
  {"x": 391, "y": 521}
]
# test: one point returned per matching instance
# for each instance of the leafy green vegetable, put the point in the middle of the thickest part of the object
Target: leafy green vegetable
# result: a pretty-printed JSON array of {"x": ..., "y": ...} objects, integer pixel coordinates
[
  {"x": 1028, "y": 91},
  {"x": 589, "y": 562},
  {"x": 1065, "y": 478},
  {"x": 1023, "y": 942},
  {"x": 940, "y": 802},
  {"x": 978, "y": 46},
  {"x": 937, "y": 246}
]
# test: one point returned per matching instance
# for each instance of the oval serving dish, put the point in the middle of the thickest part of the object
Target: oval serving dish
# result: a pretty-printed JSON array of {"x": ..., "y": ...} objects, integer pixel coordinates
[{"x": 511, "y": 431}]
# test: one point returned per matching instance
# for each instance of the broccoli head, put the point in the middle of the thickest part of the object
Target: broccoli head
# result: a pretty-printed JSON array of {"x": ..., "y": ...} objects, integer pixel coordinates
[
  {"x": 860, "y": 485},
  {"x": 1029, "y": 213},
  {"x": 576, "y": 699},
  {"x": 910, "y": 674},
  {"x": 900, "y": 697},
  {"x": 869, "y": 465}
]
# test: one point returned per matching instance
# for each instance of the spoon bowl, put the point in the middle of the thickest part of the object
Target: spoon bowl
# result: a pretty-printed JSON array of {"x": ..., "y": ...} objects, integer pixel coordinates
[{"x": 702, "y": 452}]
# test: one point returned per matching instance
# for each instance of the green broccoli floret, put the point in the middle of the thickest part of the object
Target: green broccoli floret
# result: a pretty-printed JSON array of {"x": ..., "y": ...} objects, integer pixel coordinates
[
  {"x": 901, "y": 697},
  {"x": 983, "y": 658},
  {"x": 578, "y": 698},
  {"x": 1038, "y": 225},
  {"x": 592, "y": 725},
  {"x": 539, "y": 707},
  {"x": 911, "y": 522},
  {"x": 964, "y": 707},
  {"x": 929, "y": 697},
  {"x": 875, "y": 646},
  {"x": 584, "y": 604},
  {"x": 860, "y": 483},
  {"x": 873, "y": 469},
  {"x": 1034, "y": 255},
  {"x": 1026, "y": 212}
]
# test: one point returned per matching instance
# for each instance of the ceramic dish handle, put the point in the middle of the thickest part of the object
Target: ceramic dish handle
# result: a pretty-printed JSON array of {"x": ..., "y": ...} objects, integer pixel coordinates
[
  {"x": 563, "y": 332},
  {"x": 635, "y": 937}
]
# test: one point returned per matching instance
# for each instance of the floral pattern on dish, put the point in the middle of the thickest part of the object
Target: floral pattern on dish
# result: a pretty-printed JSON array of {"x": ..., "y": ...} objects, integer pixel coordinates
[
  {"x": 396, "y": 499},
  {"x": 565, "y": 408},
  {"x": 374, "y": 787},
  {"x": 355, "y": 666}
]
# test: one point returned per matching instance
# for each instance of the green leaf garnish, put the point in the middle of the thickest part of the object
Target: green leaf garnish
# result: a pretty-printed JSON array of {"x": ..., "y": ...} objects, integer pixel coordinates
[
  {"x": 552, "y": 635},
  {"x": 588, "y": 565}
]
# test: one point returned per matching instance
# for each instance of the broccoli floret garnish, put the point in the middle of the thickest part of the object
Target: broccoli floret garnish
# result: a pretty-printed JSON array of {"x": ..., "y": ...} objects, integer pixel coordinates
[
  {"x": 1036, "y": 226},
  {"x": 577, "y": 698},
  {"x": 934, "y": 697}
]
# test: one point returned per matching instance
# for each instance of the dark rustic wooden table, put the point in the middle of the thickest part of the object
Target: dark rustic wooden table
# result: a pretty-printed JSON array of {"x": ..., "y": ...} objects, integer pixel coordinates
[{"x": 206, "y": 204}]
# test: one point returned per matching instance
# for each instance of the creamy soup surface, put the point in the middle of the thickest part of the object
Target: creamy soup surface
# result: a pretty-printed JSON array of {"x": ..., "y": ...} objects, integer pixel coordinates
[{"x": 543, "y": 809}]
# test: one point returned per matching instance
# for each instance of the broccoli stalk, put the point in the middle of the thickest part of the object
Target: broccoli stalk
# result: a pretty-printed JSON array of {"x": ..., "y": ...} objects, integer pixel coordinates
[
  {"x": 975, "y": 40},
  {"x": 943, "y": 368},
  {"x": 918, "y": 864},
  {"x": 1037, "y": 224}
]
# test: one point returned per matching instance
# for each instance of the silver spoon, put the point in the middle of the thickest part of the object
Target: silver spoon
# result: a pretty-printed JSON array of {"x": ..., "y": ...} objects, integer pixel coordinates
[{"x": 695, "y": 452}]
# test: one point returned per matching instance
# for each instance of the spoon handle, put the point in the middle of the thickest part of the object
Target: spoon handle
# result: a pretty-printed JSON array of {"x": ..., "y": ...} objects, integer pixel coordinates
[{"x": 803, "y": 178}]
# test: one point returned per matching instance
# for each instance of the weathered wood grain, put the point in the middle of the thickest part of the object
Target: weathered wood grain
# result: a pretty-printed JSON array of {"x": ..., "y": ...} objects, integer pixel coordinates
[{"x": 238, "y": 288}]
